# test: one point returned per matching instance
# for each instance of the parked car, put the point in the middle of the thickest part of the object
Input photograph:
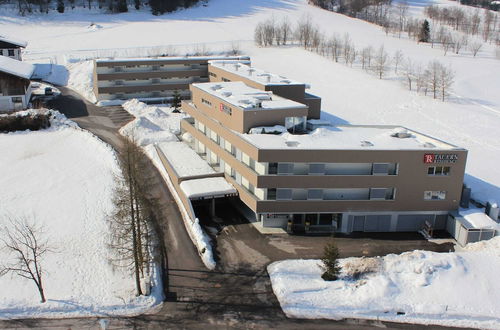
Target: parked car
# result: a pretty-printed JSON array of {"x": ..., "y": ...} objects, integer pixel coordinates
[{"x": 49, "y": 91}]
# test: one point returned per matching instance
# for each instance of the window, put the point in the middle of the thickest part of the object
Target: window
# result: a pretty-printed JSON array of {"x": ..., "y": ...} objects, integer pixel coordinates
[
  {"x": 317, "y": 169},
  {"x": 434, "y": 195},
  {"x": 378, "y": 193},
  {"x": 315, "y": 194},
  {"x": 17, "y": 99},
  {"x": 11, "y": 52},
  {"x": 212, "y": 74},
  {"x": 155, "y": 80},
  {"x": 118, "y": 69},
  {"x": 273, "y": 168},
  {"x": 380, "y": 168},
  {"x": 206, "y": 102},
  {"x": 225, "y": 79},
  {"x": 283, "y": 194},
  {"x": 439, "y": 170},
  {"x": 271, "y": 193},
  {"x": 156, "y": 67},
  {"x": 285, "y": 168},
  {"x": 325, "y": 219},
  {"x": 295, "y": 124},
  {"x": 119, "y": 82}
]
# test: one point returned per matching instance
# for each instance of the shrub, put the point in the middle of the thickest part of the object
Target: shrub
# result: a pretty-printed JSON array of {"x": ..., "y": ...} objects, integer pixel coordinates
[
  {"x": 15, "y": 122},
  {"x": 358, "y": 267},
  {"x": 330, "y": 264}
]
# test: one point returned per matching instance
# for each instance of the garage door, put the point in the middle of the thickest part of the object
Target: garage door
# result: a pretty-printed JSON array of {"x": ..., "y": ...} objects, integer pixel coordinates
[
  {"x": 378, "y": 223},
  {"x": 5, "y": 104},
  {"x": 413, "y": 222}
]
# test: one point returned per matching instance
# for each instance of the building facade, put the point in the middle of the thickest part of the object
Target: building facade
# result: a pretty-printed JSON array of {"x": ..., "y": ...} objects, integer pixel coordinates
[
  {"x": 15, "y": 84},
  {"x": 11, "y": 48},
  {"x": 227, "y": 70},
  {"x": 150, "y": 78},
  {"x": 343, "y": 178}
]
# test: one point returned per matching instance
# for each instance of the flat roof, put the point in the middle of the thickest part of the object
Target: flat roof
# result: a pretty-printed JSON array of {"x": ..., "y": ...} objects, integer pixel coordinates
[
  {"x": 207, "y": 187},
  {"x": 185, "y": 161},
  {"x": 351, "y": 137},
  {"x": 245, "y": 97},
  {"x": 477, "y": 219},
  {"x": 254, "y": 74},
  {"x": 17, "y": 42},
  {"x": 16, "y": 68},
  {"x": 169, "y": 58}
]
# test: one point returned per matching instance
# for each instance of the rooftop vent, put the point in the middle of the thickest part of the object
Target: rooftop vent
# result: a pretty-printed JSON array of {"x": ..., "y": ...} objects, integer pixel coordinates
[
  {"x": 236, "y": 66},
  {"x": 216, "y": 87},
  {"x": 286, "y": 81},
  {"x": 227, "y": 93},
  {"x": 401, "y": 133},
  {"x": 250, "y": 71},
  {"x": 366, "y": 144},
  {"x": 428, "y": 145},
  {"x": 292, "y": 144}
]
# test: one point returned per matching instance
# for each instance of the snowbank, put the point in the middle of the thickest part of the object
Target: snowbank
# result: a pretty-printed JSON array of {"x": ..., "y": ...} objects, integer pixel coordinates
[
  {"x": 51, "y": 169},
  {"x": 81, "y": 79},
  {"x": 152, "y": 124},
  {"x": 453, "y": 289}
]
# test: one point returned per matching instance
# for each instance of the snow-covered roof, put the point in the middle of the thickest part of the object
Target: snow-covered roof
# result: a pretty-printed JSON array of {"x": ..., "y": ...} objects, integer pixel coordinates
[
  {"x": 213, "y": 187},
  {"x": 478, "y": 219},
  {"x": 185, "y": 161},
  {"x": 17, "y": 42},
  {"x": 251, "y": 73},
  {"x": 246, "y": 97},
  {"x": 16, "y": 68},
  {"x": 170, "y": 58},
  {"x": 351, "y": 137}
]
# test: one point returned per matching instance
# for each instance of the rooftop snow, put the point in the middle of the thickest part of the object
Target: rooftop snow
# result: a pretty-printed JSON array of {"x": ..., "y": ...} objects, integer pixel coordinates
[
  {"x": 170, "y": 58},
  {"x": 348, "y": 138},
  {"x": 16, "y": 68},
  {"x": 478, "y": 219},
  {"x": 184, "y": 160},
  {"x": 246, "y": 97},
  {"x": 17, "y": 42},
  {"x": 207, "y": 187},
  {"x": 254, "y": 74}
]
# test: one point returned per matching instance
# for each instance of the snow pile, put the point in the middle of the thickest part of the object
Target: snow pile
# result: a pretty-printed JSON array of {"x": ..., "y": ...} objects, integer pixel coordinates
[
  {"x": 479, "y": 219},
  {"x": 200, "y": 239},
  {"x": 207, "y": 187},
  {"x": 152, "y": 124},
  {"x": 158, "y": 126},
  {"x": 276, "y": 129},
  {"x": 453, "y": 289},
  {"x": 81, "y": 79},
  {"x": 51, "y": 169}
]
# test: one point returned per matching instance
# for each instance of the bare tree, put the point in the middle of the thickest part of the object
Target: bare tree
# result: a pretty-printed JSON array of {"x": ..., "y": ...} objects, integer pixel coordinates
[
  {"x": 402, "y": 11},
  {"x": 347, "y": 47},
  {"x": 420, "y": 78},
  {"x": 286, "y": 30},
  {"x": 397, "y": 59},
  {"x": 433, "y": 72},
  {"x": 475, "y": 46},
  {"x": 445, "y": 81},
  {"x": 335, "y": 45},
  {"x": 459, "y": 42},
  {"x": 133, "y": 212},
  {"x": 409, "y": 72},
  {"x": 258, "y": 35},
  {"x": 25, "y": 240},
  {"x": 447, "y": 43},
  {"x": 475, "y": 22},
  {"x": 381, "y": 61},
  {"x": 304, "y": 31}
]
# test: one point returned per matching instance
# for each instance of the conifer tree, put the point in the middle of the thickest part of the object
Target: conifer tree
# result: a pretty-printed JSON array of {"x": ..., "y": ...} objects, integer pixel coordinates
[
  {"x": 176, "y": 101},
  {"x": 425, "y": 32},
  {"x": 330, "y": 266}
]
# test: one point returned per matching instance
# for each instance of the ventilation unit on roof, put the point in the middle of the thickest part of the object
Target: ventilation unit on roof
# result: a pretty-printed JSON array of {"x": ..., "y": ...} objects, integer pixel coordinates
[
  {"x": 286, "y": 81},
  {"x": 216, "y": 87},
  {"x": 250, "y": 71},
  {"x": 227, "y": 93},
  {"x": 366, "y": 144},
  {"x": 401, "y": 133},
  {"x": 236, "y": 67},
  {"x": 292, "y": 144},
  {"x": 428, "y": 145}
]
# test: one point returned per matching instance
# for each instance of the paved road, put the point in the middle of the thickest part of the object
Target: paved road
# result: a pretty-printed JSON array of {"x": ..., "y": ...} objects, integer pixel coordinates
[{"x": 236, "y": 295}]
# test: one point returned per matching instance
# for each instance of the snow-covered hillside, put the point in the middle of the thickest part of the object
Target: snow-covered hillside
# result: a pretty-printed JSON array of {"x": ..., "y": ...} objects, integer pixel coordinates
[
  {"x": 49, "y": 182},
  {"x": 454, "y": 289},
  {"x": 469, "y": 119}
]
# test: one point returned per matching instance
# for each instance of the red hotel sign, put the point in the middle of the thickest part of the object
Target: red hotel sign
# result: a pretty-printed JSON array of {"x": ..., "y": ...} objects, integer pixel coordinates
[{"x": 440, "y": 158}]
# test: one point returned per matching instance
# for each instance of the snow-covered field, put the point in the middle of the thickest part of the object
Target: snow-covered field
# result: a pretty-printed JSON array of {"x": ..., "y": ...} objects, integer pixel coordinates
[
  {"x": 454, "y": 289},
  {"x": 46, "y": 177},
  {"x": 469, "y": 119}
]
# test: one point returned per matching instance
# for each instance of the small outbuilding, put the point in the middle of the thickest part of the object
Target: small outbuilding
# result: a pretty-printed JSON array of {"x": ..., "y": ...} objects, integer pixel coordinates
[
  {"x": 471, "y": 225},
  {"x": 10, "y": 47},
  {"x": 15, "y": 84}
]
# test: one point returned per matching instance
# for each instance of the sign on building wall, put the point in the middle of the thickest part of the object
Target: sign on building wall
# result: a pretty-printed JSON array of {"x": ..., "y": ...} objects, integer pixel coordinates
[
  {"x": 440, "y": 158},
  {"x": 225, "y": 108}
]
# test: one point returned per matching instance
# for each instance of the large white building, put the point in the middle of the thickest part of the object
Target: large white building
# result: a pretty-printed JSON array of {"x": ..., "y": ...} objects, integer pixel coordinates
[{"x": 11, "y": 47}]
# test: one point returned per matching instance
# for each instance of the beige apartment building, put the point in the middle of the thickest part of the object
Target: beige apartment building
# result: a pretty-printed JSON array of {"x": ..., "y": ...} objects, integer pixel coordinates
[
  {"x": 304, "y": 178},
  {"x": 150, "y": 78}
]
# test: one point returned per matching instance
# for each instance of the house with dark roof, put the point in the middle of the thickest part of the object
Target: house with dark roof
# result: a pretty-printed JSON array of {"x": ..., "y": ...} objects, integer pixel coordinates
[
  {"x": 11, "y": 47},
  {"x": 15, "y": 84}
]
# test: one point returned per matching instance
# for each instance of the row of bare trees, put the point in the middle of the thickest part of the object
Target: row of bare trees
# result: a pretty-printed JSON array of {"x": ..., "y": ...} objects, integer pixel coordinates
[
  {"x": 374, "y": 60},
  {"x": 481, "y": 23}
]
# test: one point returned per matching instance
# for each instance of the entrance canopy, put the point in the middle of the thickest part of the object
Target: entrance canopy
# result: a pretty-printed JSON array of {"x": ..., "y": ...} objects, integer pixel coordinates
[{"x": 207, "y": 188}]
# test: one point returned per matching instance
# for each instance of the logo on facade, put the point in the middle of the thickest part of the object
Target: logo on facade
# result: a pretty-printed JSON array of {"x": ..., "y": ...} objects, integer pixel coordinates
[
  {"x": 440, "y": 158},
  {"x": 225, "y": 108}
]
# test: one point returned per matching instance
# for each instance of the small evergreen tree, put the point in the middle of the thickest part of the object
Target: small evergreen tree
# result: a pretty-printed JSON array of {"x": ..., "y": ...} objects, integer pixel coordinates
[
  {"x": 60, "y": 6},
  {"x": 137, "y": 4},
  {"x": 330, "y": 266},
  {"x": 176, "y": 101},
  {"x": 122, "y": 6},
  {"x": 425, "y": 32}
]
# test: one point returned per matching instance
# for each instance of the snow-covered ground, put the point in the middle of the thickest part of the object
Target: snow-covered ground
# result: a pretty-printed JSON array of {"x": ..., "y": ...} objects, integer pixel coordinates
[
  {"x": 454, "y": 289},
  {"x": 47, "y": 179},
  {"x": 155, "y": 125},
  {"x": 470, "y": 119}
]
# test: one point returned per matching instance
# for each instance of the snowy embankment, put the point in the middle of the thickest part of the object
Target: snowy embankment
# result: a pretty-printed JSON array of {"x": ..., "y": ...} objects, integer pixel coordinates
[
  {"x": 453, "y": 289},
  {"x": 48, "y": 182},
  {"x": 154, "y": 125}
]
